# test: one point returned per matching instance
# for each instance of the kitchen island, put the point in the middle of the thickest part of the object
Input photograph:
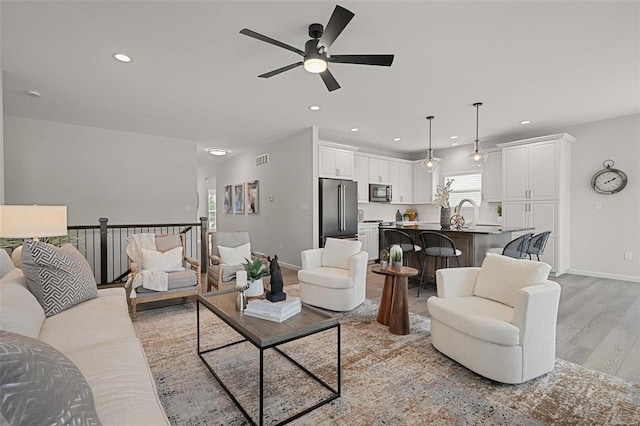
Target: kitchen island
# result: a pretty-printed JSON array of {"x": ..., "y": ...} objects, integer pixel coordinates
[{"x": 474, "y": 242}]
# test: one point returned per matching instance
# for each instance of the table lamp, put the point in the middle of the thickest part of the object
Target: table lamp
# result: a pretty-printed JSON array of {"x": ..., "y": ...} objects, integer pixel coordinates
[{"x": 31, "y": 222}]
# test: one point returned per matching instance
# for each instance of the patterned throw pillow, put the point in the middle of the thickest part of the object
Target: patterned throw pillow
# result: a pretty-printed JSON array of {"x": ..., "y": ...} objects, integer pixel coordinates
[
  {"x": 60, "y": 278},
  {"x": 41, "y": 386}
]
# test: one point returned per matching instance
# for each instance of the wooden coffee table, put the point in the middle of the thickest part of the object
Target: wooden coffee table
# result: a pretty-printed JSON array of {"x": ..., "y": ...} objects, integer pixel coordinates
[
  {"x": 394, "y": 303},
  {"x": 265, "y": 335}
]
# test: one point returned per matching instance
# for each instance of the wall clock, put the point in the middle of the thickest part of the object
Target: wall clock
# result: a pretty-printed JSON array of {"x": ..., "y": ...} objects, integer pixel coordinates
[{"x": 608, "y": 180}]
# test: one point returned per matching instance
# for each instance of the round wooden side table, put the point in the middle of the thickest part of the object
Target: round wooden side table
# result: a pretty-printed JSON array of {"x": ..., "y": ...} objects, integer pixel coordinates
[{"x": 394, "y": 303}]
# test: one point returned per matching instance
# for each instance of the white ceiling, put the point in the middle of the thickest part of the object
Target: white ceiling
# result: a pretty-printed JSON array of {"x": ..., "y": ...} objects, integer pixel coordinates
[{"x": 194, "y": 77}]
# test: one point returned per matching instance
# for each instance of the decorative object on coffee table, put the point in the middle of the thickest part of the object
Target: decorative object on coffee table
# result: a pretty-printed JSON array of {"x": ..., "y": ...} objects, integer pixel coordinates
[
  {"x": 276, "y": 294},
  {"x": 242, "y": 286}
]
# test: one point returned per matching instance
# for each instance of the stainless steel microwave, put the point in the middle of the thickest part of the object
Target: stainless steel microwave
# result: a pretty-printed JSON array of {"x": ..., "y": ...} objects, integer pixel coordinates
[{"x": 379, "y": 193}]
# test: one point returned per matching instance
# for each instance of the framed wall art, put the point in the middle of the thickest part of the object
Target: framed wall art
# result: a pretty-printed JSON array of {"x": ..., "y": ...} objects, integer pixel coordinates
[
  {"x": 227, "y": 206},
  {"x": 252, "y": 197},
  {"x": 238, "y": 199}
]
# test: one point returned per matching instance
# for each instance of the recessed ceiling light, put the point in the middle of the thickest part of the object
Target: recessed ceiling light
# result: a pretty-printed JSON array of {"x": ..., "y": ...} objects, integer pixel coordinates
[
  {"x": 454, "y": 144},
  {"x": 218, "y": 151},
  {"x": 396, "y": 139},
  {"x": 525, "y": 122},
  {"x": 314, "y": 108},
  {"x": 354, "y": 129},
  {"x": 122, "y": 57},
  {"x": 453, "y": 137}
]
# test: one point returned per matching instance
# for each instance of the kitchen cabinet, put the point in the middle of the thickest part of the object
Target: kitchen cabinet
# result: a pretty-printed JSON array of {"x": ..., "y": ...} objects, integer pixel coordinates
[
  {"x": 424, "y": 184},
  {"x": 536, "y": 192},
  {"x": 368, "y": 234},
  {"x": 532, "y": 171},
  {"x": 401, "y": 177},
  {"x": 492, "y": 177},
  {"x": 362, "y": 177},
  {"x": 336, "y": 162},
  {"x": 379, "y": 171}
]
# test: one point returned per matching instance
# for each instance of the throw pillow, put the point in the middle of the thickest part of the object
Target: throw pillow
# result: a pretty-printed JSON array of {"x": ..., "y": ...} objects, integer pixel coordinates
[
  {"x": 235, "y": 255},
  {"x": 6, "y": 265},
  {"x": 500, "y": 277},
  {"x": 338, "y": 253},
  {"x": 41, "y": 386},
  {"x": 169, "y": 261},
  {"x": 59, "y": 278}
]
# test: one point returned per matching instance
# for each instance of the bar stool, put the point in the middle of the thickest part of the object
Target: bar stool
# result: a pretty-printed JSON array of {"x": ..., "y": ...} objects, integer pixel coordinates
[
  {"x": 538, "y": 243},
  {"x": 439, "y": 246},
  {"x": 516, "y": 248},
  {"x": 405, "y": 242}
]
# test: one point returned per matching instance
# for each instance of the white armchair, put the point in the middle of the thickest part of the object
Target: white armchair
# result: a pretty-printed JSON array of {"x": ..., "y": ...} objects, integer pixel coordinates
[
  {"x": 499, "y": 320},
  {"x": 334, "y": 277}
]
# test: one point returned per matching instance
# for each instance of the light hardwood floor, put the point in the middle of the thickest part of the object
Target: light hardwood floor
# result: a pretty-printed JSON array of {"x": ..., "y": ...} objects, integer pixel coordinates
[{"x": 598, "y": 320}]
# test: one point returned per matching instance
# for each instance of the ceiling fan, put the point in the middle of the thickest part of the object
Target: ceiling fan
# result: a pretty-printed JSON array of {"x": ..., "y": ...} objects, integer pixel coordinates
[{"x": 316, "y": 51}]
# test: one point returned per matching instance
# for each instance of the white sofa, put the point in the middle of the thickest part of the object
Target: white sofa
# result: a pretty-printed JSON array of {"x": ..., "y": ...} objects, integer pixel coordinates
[
  {"x": 98, "y": 337},
  {"x": 498, "y": 320},
  {"x": 334, "y": 277}
]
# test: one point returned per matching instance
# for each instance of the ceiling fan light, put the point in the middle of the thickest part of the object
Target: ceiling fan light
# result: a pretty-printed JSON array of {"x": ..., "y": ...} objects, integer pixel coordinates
[{"x": 315, "y": 65}]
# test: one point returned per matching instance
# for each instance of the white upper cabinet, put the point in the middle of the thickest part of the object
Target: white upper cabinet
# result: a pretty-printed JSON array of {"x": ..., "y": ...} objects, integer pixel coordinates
[
  {"x": 336, "y": 162},
  {"x": 492, "y": 177},
  {"x": 362, "y": 177},
  {"x": 379, "y": 171},
  {"x": 532, "y": 171},
  {"x": 401, "y": 177}
]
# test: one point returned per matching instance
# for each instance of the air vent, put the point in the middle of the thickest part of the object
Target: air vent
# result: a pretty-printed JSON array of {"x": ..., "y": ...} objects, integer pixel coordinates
[{"x": 262, "y": 159}]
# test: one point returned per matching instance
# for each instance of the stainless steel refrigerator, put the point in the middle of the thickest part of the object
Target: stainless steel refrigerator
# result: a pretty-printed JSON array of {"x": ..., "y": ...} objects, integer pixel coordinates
[{"x": 338, "y": 209}]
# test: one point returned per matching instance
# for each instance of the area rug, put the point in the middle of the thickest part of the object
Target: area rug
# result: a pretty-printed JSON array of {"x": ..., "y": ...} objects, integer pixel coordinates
[{"x": 386, "y": 379}]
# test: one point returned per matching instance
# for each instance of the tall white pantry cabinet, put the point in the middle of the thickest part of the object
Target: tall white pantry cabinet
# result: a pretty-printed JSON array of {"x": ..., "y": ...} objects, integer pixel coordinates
[{"x": 536, "y": 184}]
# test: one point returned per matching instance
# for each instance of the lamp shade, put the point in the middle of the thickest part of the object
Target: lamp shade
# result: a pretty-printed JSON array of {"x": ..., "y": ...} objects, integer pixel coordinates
[{"x": 32, "y": 221}]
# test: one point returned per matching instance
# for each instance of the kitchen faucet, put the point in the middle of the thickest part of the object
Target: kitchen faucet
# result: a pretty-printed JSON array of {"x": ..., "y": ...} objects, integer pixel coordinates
[{"x": 476, "y": 212}]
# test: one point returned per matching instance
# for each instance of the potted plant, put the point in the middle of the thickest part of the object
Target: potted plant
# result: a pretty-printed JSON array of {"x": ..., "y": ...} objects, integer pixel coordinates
[
  {"x": 256, "y": 270},
  {"x": 396, "y": 256}
]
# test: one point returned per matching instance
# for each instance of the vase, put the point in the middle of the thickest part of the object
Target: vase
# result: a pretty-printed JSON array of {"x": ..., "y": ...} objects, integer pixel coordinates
[
  {"x": 255, "y": 289},
  {"x": 445, "y": 217}
]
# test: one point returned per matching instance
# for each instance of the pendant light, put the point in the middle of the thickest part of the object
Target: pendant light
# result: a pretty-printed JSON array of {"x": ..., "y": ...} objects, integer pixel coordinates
[
  {"x": 477, "y": 157},
  {"x": 430, "y": 164}
]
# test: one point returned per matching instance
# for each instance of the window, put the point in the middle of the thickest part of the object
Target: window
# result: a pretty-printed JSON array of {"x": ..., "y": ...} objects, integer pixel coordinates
[
  {"x": 212, "y": 209},
  {"x": 468, "y": 185}
]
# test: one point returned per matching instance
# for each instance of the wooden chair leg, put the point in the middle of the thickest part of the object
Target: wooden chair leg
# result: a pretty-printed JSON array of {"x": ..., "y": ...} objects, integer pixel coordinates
[{"x": 134, "y": 309}]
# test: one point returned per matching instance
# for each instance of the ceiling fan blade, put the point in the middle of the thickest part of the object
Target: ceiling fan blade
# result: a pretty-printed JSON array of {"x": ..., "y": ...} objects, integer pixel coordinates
[
  {"x": 338, "y": 21},
  {"x": 381, "y": 60},
  {"x": 329, "y": 80},
  {"x": 270, "y": 40},
  {"x": 280, "y": 70}
]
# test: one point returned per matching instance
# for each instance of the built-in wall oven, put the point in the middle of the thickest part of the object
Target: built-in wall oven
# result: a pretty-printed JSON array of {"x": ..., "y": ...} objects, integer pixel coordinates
[{"x": 379, "y": 193}]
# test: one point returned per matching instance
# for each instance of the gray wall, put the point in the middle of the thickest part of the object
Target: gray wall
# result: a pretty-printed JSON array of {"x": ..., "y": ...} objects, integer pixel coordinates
[
  {"x": 280, "y": 227},
  {"x": 126, "y": 177}
]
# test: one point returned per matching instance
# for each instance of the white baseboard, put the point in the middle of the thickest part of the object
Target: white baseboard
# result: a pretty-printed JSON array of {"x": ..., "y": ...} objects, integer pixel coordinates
[
  {"x": 604, "y": 275},
  {"x": 290, "y": 266}
]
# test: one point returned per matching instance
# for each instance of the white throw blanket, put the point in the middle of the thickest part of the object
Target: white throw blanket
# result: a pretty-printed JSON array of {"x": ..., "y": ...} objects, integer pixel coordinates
[{"x": 151, "y": 280}]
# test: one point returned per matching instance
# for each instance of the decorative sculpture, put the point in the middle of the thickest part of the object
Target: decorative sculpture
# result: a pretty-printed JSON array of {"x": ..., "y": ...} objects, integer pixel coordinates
[{"x": 275, "y": 294}]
